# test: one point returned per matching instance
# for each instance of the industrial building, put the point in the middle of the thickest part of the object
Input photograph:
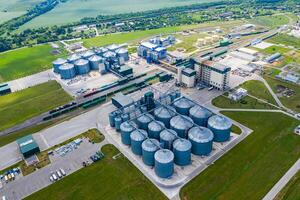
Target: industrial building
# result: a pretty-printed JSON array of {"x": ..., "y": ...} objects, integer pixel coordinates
[
  {"x": 28, "y": 146},
  {"x": 244, "y": 56},
  {"x": 103, "y": 60},
  {"x": 4, "y": 89},
  {"x": 186, "y": 76},
  {"x": 273, "y": 58},
  {"x": 238, "y": 94},
  {"x": 166, "y": 131},
  {"x": 163, "y": 42}
]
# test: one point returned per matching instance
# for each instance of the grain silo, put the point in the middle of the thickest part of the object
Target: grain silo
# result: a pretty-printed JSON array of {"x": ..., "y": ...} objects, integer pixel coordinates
[
  {"x": 167, "y": 138},
  {"x": 182, "y": 149},
  {"x": 143, "y": 121},
  {"x": 113, "y": 47},
  {"x": 137, "y": 137},
  {"x": 164, "y": 115},
  {"x": 183, "y": 106},
  {"x": 67, "y": 71},
  {"x": 202, "y": 140},
  {"x": 125, "y": 117},
  {"x": 111, "y": 117},
  {"x": 149, "y": 147},
  {"x": 118, "y": 122},
  {"x": 88, "y": 54},
  {"x": 100, "y": 51},
  {"x": 123, "y": 55},
  {"x": 73, "y": 58},
  {"x": 181, "y": 124},
  {"x": 57, "y": 63},
  {"x": 82, "y": 66},
  {"x": 200, "y": 115},
  {"x": 95, "y": 61},
  {"x": 109, "y": 55},
  {"x": 126, "y": 130},
  {"x": 154, "y": 129},
  {"x": 221, "y": 127},
  {"x": 164, "y": 163}
]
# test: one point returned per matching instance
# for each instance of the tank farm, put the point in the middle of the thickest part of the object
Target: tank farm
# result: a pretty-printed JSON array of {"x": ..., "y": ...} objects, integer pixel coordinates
[{"x": 166, "y": 130}]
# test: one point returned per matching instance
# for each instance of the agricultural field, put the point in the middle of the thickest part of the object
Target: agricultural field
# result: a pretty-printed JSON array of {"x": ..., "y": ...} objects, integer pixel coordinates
[
  {"x": 291, "y": 102},
  {"x": 108, "y": 179},
  {"x": 250, "y": 169},
  {"x": 246, "y": 103},
  {"x": 26, "y": 61},
  {"x": 20, "y": 106},
  {"x": 259, "y": 90},
  {"x": 74, "y": 10},
  {"x": 291, "y": 190},
  {"x": 286, "y": 40},
  {"x": 15, "y": 8}
]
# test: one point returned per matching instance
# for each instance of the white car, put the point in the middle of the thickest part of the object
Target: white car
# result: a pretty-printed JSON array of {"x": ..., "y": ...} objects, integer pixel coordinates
[
  {"x": 54, "y": 177},
  {"x": 51, "y": 179},
  {"x": 62, "y": 172},
  {"x": 58, "y": 173}
]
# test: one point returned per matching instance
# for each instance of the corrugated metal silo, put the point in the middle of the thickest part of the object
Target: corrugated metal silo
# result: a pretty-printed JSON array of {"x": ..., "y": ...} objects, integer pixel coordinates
[
  {"x": 164, "y": 115},
  {"x": 149, "y": 147},
  {"x": 164, "y": 163},
  {"x": 167, "y": 138},
  {"x": 73, "y": 58},
  {"x": 57, "y": 63},
  {"x": 154, "y": 129},
  {"x": 126, "y": 130},
  {"x": 82, "y": 66},
  {"x": 111, "y": 117},
  {"x": 95, "y": 61},
  {"x": 202, "y": 140},
  {"x": 109, "y": 55},
  {"x": 67, "y": 71},
  {"x": 183, "y": 106},
  {"x": 137, "y": 137},
  {"x": 143, "y": 121},
  {"x": 118, "y": 122},
  {"x": 88, "y": 54},
  {"x": 182, "y": 151},
  {"x": 125, "y": 117},
  {"x": 200, "y": 115},
  {"x": 123, "y": 53},
  {"x": 181, "y": 124},
  {"x": 221, "y": 127}
]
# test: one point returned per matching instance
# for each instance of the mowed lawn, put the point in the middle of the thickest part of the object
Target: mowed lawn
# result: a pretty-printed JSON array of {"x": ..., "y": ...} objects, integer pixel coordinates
[
  {"x": 250, "y": 170},
  {"x": 25, "y": 61},
  {"x": 108, "y": 179},
  {"x": 19, "y": 106},
  {"x": 292, "y": 190}
]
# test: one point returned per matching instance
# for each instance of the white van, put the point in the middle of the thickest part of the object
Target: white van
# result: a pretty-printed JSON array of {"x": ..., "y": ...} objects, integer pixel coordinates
[
  {"x": 58, "y": 174},
  {"x": 54, "y": 177},
  {"x": 62, "y": 171}
]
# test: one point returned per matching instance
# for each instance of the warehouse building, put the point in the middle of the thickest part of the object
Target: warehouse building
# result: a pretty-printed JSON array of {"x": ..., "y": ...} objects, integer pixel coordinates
[
  {"x": 151, "y": 52},
  {"x": 120, "y": 100},
  {"x": 28, "y": 147},
  {"x": 243, "y": 56},
  {"x": 273, "y": 58}
]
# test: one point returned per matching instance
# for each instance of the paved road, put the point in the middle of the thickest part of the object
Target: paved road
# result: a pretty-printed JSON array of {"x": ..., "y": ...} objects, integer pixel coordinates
[{"x": 283, "y": 181}]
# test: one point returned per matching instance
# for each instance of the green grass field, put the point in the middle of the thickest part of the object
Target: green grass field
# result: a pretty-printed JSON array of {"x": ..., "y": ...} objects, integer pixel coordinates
[
  {"x": 292, "y": 102},
  {"x": 246, "y": 103},
  {"x": 285, "y": 40},
  {"x": 19, "y": 106},
  {"x": 74, "y": 10},
  {"x": 292, "y": 190},
  {"x": 250, "y": 169},
  {"x": 259, "y": 90},
  {"x": 26, "y": 61},
  {"x": 188, "y": 42},
  {"x": 108, "y": 179},
  {"x": 270, "y": 21}
]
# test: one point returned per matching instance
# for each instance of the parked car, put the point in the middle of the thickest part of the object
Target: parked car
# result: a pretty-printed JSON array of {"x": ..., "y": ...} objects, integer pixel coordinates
[
  {"x": 58, "y": 174},
  {"x": 62, "y": 172}
]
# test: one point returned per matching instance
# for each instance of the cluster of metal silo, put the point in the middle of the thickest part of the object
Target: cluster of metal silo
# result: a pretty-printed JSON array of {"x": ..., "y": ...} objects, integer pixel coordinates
[
  {"x": 67, "y": 71},
  {"x": 182, "y": 149},
  {"x": 167, "y": 137},
  {"x": 183, "y": 106},
  {"x": 181, "y": 124},
  {"x": 154, "y": 129},
  {"x": 99, "y": 59},
  {"x": 143, "y": 121},
  {"x": 149, "y": 147},
  {"x": 221, "y": 127},
  {"x": 164, "y": 163},
  {"x": 126, "y": 130}
]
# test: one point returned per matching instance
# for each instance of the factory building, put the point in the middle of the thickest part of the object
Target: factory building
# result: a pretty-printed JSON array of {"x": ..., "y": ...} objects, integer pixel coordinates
[
  {"x": 238, "y": 94},
  {"x": 166, "y": 137},
  {"x": 151, "y": 52},
  {"x": 186, "y": 76},
  {"x": 243, "y": 56},
  {"x": 101, "y": 59},
  {"x": 273, "y": 58},
  {"x": 215, "y": 74},
  {"x": 28, "y": 146},
  {"x": 163, "y": 42}
]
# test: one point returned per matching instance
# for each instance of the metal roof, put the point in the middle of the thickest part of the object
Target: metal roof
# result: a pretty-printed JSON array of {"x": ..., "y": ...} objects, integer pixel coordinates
[
  {"x": 88, "y": 53},
  {"x": 26, "y": 144},
  {"x": 155, "y": 126},
  {"x": 219, "y": 122},
  {"x": 145, "y": 118},
  {"x": 200, "y": 112},
  {"x": 183, "y": 103},
  {"x": 164, "y": 156},
  {"x": 121, "y": 51},
  {"x": 138, "y": 135},
  {"x": 95, "y": 58},
  {"x": 181, "y": 122},
  {"x": 149, "y": 45},
  {"x": 168, "y": 134},
  {"x": 127, "y": 127},
  {"x": 74, "y": 57},
  {"x": 122, "y": 99},
  {"x": 66, "y": 66},
  {"x": 59, "y": 61},
  {"x": 182, "y": 144},
  {"x": 81, "y": 62},
  {"x": 163, "y": 112},
  {"x": 200, "y": 134},
  {"x": 150, "y": 145}
]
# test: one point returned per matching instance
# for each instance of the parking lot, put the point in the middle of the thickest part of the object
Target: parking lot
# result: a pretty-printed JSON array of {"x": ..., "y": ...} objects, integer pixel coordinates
[{"x": 70, "y": 163}]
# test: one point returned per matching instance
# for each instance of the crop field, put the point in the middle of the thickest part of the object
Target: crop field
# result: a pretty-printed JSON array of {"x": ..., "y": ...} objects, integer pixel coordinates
[
  {"x": 14, "y": 8},
  {"x": 187, "y": 43},
  {"x": 74, "y": 10},
  {"x": 19, "y": 106},
  {"x": 250, "y": 169},
  {"x": 26, "y": 61},
  {"x": 292, "y": 190},
  {"x": 107, "y": 179},
  {"x": 292, "y": 102}
]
